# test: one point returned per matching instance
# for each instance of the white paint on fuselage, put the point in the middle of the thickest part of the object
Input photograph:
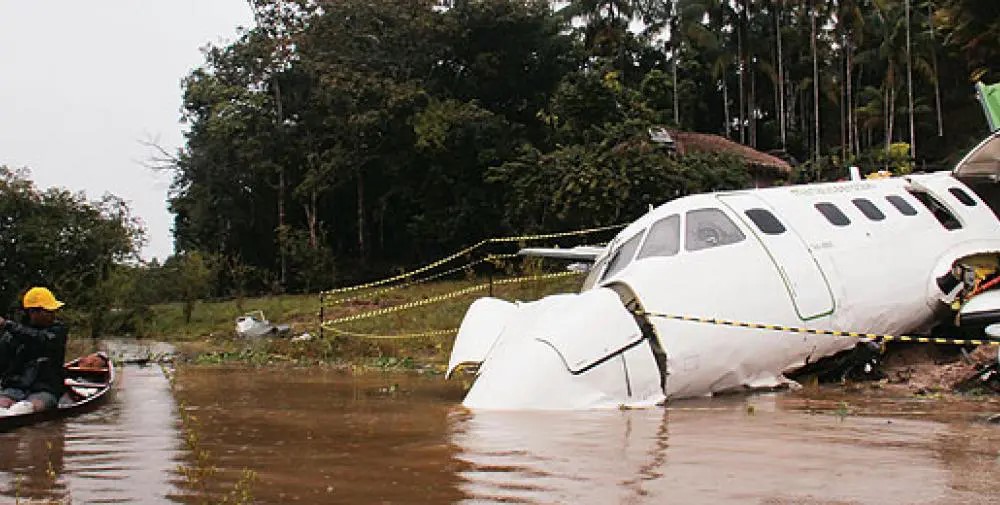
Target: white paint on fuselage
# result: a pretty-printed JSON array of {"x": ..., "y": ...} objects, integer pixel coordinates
[
  {"x": 877, "y": 272},
  {"x": 869, "y": 276}
]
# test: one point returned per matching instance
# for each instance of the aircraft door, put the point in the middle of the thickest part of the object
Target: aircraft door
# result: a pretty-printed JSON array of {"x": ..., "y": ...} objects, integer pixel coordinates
[{"x": 803, "y": 278}]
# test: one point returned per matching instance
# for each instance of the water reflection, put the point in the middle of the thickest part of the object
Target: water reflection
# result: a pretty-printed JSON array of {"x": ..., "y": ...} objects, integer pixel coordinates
[
  {"x": 596, "y": 457},
  {"x": 127, "y": 452},
  {"x": 721, "y": 454},
  {"x": 123, "y": 452},
  {"x": 322, "y": 436},
  {"x": 315, "y": 435},
  {"x": 32, "y": 463}
]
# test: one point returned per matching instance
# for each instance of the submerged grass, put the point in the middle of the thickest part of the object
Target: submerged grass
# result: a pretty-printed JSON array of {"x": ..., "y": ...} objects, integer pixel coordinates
[
  {"x": 199, "y": 473},
  {"x": 383, "y": 342}
]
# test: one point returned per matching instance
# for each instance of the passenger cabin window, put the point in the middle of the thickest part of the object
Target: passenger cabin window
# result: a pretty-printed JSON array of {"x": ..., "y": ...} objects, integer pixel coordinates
[
  {"x": 868, "y": 209},
  {"x": 622, "y": 256},
  {"x": 664, "y": 238},
  {"x": 901, "y": 205},
  {"x": 707, "y": 228},
  {"x": 832, "y": 214},
  {"x": 940, "y": 212},
  {"x": 963, "y": 197},
  {"x": 765, "y": 221}
]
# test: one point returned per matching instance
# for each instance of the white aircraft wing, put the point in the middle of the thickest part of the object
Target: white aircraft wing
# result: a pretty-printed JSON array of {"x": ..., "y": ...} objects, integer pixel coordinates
[{"x": 579, "y": 253}]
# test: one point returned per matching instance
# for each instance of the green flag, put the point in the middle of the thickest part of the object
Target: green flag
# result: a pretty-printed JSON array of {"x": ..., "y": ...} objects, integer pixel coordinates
[{"x": 989, "y": 96}]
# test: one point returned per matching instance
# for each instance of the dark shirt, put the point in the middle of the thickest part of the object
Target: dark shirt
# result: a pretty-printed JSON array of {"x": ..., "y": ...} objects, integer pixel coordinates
[{"x": 31, "y": 359}]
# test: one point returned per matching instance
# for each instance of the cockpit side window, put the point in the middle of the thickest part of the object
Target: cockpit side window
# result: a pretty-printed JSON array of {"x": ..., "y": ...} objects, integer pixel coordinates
[
  {"x": 940, "y": 212},
  {"x": 707, "y": 228},
  {"x": 664, "y": 238},
  {"x": 622, "y": 256}
]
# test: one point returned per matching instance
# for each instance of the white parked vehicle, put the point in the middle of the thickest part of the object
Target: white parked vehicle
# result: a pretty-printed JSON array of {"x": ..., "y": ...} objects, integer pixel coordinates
[{"x": 886, "y": 256}]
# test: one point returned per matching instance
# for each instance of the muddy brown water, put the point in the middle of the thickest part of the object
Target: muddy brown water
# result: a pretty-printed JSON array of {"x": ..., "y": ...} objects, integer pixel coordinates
[{"x": 325, "y": 436}]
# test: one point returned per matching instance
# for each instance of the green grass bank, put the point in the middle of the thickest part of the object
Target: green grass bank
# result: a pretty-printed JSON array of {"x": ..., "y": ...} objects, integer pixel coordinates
[{"x": 382, "y": 338}]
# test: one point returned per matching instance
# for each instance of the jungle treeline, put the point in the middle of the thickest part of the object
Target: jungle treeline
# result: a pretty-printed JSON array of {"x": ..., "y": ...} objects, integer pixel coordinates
[{"x": 336, "y": 139}]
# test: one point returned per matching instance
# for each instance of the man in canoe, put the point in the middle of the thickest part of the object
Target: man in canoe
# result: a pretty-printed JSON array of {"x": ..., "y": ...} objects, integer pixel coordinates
[{"x": 32, "y": 355}]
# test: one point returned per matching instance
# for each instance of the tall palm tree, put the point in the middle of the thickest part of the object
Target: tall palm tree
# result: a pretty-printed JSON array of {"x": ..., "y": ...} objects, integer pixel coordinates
[
  {"x": 850, "y": 22},
  {"x": 973, "y": 26},
  {"x": 705, "y": 25},
  {"x": 931, "y": 33},
  {"x": 815, "y": 64},
  {"x": 909, "y": 82},
  {"x": 780, "y": 112}
]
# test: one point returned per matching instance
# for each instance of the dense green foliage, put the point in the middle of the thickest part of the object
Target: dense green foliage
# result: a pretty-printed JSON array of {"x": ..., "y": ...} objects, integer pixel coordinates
[
  {"x": 61, "y": 240},
  {"x": 337, "y": 136}
]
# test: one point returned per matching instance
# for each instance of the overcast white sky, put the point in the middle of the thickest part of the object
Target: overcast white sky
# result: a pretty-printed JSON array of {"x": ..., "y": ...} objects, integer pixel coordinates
[{"x": 82, "y": 82}]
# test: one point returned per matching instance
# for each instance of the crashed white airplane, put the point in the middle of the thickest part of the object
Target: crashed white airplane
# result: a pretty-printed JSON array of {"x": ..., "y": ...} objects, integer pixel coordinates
[{"x": 886, "y": 256}]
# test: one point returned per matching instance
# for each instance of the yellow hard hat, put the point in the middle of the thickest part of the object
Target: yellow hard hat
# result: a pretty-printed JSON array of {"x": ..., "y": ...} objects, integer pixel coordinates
[{"x": 41, "y": 298}]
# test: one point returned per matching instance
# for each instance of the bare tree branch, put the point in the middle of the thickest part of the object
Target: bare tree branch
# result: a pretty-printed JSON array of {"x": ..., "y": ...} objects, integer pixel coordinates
[{"x": 160, "y": 159}]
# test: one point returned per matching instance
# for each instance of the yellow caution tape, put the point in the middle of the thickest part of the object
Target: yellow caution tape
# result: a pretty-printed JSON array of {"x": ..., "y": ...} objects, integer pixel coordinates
[
  {"x": 833, "y": 333},
  {"x": 443, "y": 297},
  {"x": 434, "y": 333},
  {"x": 490, "y": 258},
  {"x": 463, "y": 252},
  {"x": 547, "y": 236}
]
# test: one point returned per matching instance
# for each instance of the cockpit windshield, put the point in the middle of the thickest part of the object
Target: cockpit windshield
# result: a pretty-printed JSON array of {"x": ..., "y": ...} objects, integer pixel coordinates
[
  {"x": 664, "y": 238},
  {"x": 622, "y": 256},
  {"x": 708, "y": 228},
  {"x": 705, "y": 228},
  {"x": 594, "y": 274}
]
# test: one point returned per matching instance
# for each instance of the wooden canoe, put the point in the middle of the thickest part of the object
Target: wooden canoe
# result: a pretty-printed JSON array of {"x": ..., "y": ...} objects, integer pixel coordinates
[{"x": 87, "y": 387}]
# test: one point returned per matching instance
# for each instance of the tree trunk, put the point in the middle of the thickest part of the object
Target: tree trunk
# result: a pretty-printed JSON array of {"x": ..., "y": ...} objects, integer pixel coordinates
[
  {"x": 741, "y": 68},
  {"x": 725, "y": 103},
  {"x": 362, "y": 247},
  {"x": 843, "y": 110},
  {"x": 781, "y": 80},
  {"x": 909, "y": 85},
  {"x": 752, "y": 74},
  {"x": 851, "y": 139},
  {"x": 677, "y": 102},
  {"x": 816, "y": 133},
  {"x": 675, "y": 42},
  {"x": 857, "y": 129},
  {"x": 281, "y": 196},
  {"x": 312, "y": 220},
  {"x": 934, "y": 67},
  {"x": 892, "y": 118},
  {"x": 752, "y": 105},
  {"x": 887, "y": 121}
]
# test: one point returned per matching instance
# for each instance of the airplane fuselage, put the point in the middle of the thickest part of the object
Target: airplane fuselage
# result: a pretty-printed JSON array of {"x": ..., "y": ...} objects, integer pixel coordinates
[
  {"x": 858, "y": 256},
  {"x": 853, "y": 256}
]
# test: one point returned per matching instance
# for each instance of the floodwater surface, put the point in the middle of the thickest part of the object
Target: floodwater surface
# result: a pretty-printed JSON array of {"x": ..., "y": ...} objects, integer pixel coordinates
[
  {"x": 324, "y": 436},
  {"x": 124, "y": 452}
]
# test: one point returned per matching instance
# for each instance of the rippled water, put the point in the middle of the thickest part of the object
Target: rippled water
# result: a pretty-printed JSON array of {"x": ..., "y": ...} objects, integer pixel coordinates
[
  {"x": 124, "y": 452},
  {"x": 322, "y": 436}
]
